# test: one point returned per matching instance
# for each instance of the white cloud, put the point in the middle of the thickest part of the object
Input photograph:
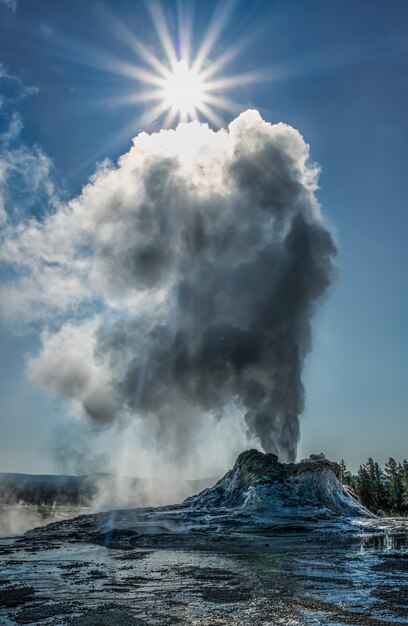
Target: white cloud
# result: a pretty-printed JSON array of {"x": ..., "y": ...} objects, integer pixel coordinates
[
  {"x": 3, "y": 214},
  {"x": 25, "y": 171},
  {"x": 203, "y": 254},
  {"x": 67, "y": 366},
  {"x": 26, "y": 188},
  {"x": 10, "y": 4}
]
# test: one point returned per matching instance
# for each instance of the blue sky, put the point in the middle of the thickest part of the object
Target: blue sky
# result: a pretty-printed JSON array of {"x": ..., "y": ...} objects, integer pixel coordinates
[{"x": 335, "y": 71}]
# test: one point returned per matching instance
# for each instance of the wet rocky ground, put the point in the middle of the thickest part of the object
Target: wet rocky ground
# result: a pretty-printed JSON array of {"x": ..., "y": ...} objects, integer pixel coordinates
[
  {"x": 268, "y": 544},
  {"x": 298, "y": 579}
]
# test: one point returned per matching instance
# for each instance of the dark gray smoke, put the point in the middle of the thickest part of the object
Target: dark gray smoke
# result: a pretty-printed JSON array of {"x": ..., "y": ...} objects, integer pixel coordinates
[
  {"x": 209, "y": 253},
  {"x": 242, "y": 332}
]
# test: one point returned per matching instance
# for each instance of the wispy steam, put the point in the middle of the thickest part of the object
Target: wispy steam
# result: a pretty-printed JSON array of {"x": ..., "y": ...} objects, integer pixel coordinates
[
  {"x": 10, "y": 4},
  {"x": 186, "y": 278}
]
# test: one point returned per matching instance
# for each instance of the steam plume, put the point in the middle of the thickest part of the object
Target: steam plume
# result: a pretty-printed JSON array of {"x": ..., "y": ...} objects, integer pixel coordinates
[{"x": 206, "y": 255}]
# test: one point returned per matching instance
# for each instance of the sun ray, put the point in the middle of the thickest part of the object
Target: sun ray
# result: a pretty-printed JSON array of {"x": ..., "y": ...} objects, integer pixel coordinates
[
  {"x": 131, "y": 99},
  {"x": 221, "y": 102},
  {"x": 213, "y": 117},
  {"x": 170, "y": 117},
  {"x": 159, "y": 22},
  {"x": 140, "y": 49},
  {"x": 187, "y": 90},
  {"x": 230, "y": 82},
  {"x": 154, "y": 113},
  {"x": 178, "y": 79},
  {"x": 227, "y": 57},
  {"x": 183, "y": 116},
  {"x": 185, "y": 29},
  {"x": 176, "y": 83},
  {"x": 124, "y": 35},
  {"x": 217, "y": 24},
  {"x": 136, "y": 72},
  {"x": 108, "y": 143}
]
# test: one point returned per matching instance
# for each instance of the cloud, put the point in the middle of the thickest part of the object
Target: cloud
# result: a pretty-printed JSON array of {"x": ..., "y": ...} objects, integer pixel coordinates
[
  {"x": 10, "y": 4},
  {"x": 25, "y": 171},
  {"x": 179, "y": 287},
  {"x": 27, "y": 190}
]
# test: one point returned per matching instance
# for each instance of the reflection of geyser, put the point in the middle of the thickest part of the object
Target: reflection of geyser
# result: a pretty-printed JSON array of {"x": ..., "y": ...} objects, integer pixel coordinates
[{"x": 213, "y": 250}]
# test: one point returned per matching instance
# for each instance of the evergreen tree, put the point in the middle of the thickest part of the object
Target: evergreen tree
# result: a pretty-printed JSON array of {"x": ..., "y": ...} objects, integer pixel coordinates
[
  {"x": 345, "y": 473},
  {"x": 378, "y": 491},
  {"x": 363, "y": 486},
  {"x": 404, "y": 479},
  {"x": 394, "y": 472}
]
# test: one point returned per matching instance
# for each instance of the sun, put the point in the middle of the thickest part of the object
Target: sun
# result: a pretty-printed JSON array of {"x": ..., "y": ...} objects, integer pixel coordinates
[
  {"x": 179, "y": 80},
  {"x": 184, "y": 90}
]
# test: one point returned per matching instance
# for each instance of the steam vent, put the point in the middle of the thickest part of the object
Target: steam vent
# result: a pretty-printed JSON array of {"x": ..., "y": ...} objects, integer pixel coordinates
[{"x": 259, "y": 495}]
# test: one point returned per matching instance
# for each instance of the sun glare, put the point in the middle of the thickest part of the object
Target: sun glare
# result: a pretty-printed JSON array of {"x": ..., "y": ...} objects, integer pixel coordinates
[
  {"x": 179, "y": 81},
  {"x": 184, "y": 90}
]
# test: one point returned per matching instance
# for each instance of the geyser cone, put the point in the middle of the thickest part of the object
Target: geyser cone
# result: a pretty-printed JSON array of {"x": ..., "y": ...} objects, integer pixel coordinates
[{"x": 257, "y": 496}]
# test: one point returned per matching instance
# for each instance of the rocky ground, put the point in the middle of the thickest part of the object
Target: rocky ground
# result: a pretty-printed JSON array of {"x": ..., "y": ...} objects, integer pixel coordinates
[
  {"x": 268, "y": 544},
  {"x": 291, "y": 581}
]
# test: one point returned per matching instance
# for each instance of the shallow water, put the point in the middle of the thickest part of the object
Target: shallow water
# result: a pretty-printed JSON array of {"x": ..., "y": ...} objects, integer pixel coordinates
[{"x": 298, "y": 580}]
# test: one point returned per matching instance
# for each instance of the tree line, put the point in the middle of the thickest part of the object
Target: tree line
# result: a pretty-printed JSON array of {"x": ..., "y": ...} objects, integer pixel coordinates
[
  {"x": 74, "y": 491},
  {"x": 382, "y": 490}
]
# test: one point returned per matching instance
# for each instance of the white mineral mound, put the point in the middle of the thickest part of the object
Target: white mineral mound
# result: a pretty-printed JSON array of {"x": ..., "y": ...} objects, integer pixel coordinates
[
  {"x": 258, "y": 496},
  {"x": 260, "y": 483}
]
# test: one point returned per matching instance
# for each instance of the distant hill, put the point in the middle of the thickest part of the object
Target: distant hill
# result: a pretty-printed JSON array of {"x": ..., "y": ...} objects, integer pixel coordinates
[{"x": 99, "y": 490}]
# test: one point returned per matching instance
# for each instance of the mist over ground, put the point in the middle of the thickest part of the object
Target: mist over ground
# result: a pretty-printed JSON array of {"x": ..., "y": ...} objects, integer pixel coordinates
[{"x": 31, "y": 500}]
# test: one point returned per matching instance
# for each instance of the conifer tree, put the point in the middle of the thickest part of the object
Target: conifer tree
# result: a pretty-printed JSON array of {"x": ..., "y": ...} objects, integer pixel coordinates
[
  {"x": 404, "y": 479},
  {"x": 345, "y": 473},
  {"x": 393, "y": 471},
  {"x": 363, "y": 486}
]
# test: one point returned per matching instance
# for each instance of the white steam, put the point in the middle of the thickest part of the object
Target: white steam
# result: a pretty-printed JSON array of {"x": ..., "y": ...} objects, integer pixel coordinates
[{"x": 177, "y": 291}]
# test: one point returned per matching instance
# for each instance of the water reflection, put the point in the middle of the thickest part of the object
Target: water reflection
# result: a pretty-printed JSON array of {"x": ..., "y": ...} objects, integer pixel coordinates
[{"x": 299, "y": 580}]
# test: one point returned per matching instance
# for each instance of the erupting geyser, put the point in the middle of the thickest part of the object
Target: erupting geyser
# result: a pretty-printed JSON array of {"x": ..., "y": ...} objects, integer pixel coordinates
[
  {"x": 258, "y": 495},
  {"x": 206, "y": 253}
]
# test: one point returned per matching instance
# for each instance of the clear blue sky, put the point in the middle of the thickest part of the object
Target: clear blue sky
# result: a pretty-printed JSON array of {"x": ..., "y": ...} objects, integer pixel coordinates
[{"x": 338, "y": 73}]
